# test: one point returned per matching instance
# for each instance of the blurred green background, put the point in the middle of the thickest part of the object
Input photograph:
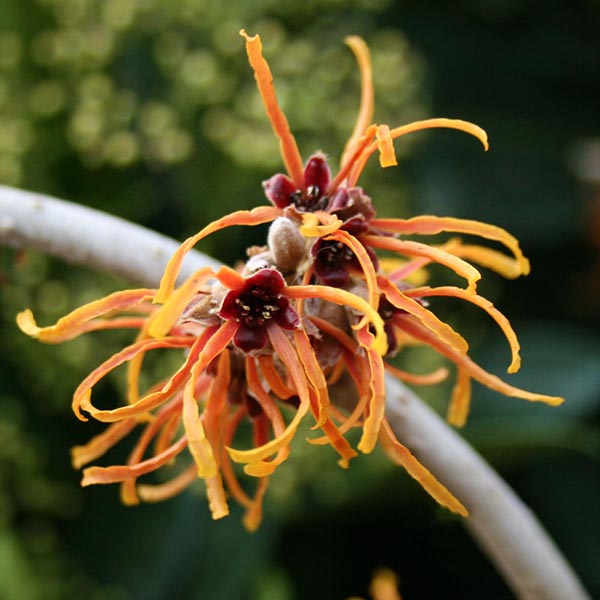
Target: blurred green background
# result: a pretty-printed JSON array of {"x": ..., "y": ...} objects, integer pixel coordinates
[{"x": 147, "y": 109}]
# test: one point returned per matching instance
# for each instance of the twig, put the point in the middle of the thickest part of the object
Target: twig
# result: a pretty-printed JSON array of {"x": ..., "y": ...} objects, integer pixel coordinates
[
  {"x": 85, "y": 236},
  {"x": 504, "y": 527}
]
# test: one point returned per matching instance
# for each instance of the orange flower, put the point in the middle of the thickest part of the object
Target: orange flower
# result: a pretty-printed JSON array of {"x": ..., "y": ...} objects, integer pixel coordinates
[{"x": 301, "y": 331}]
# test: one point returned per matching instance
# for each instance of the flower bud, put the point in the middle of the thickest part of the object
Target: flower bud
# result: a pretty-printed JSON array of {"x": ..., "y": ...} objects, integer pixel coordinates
[{"x": 287, "y": 245}]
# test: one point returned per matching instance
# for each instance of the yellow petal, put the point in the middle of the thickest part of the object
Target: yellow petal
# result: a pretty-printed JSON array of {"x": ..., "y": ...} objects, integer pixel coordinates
[
  {"x": 385, "y": 145},
  {"x": 431, "y": 225},
  {"x": 166, "y": 316},
  {"x": 318, "y": 224}
]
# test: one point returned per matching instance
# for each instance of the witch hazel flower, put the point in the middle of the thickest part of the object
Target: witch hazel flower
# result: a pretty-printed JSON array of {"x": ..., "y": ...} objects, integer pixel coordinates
[{"x": 303, "y": 331}]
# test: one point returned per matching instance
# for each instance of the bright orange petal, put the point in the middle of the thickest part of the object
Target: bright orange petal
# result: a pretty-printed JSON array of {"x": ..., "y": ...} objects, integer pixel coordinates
[
  {"x": 402, "y": 301},
  {"x": 397, "y": 132},
  {"x": 348, "y": 164},
  {"x": 484, "y": 304},
  {"x": 417, "y": 331},
  {"x": 314, "y": 373},
  {"x": 344, "y": 298},
  {"x": 81, "y": 397},
  {"x": 78, "y": 321},
  {"x": 230, "y": 278},
  {"x": 431, "y": 225},
  {"x": 372, "y": 424},
  {"x": 410, "y": 248},
  {"x": 366, "y": 264},
  {"x": 432, "y": 378},
  {"x": 117, "y": 473},
  {"x": 402, "y": 456},
  {"x": 170, "y": 488},
  {"x": 288, "y": 356},
  {"x": 506, "y": 266},
  {"x": 264, "y": 79},
  {"x": 101, "y": 443},
  {"x": 199, "y": 445},
  {"x": 256, "y": 216},
  {"x": 367, "y": 94},
  {"x": 273, "y": 378}
]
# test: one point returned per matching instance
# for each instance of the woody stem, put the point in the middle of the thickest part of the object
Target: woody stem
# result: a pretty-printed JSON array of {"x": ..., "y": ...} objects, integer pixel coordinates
[{"x": 503, "y": 526}]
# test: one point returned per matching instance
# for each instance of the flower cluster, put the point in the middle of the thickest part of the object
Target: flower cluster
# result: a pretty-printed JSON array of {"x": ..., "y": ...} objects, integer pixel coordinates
[{"x": 304, "y": 329}]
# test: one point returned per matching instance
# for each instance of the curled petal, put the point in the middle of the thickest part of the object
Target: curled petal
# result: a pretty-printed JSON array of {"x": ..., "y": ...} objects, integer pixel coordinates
[
  {"x": 168, "y": 489},
  {"x": 416, "y": 330},
  {"x": 81, "y": 397},
  {"x": 397, "y": 132},
  {"x": 410, "y": 248},
  {"x": 402, "y": 301},
  {"x": 507, "y": 266},
  {"x": 101, "y": 443},
  {"x": 344, "y": 298},
  {"x": 402, "y": 456},
  {"x": 166, "y": 316},
  {"x": 484, "y": 304},
  {"x": 372, "y": 424},
  {"x": 119, "y": 473},
  {"x": 289, "y": 357},
  {"x": 217, "y": 499},
  {"x": 432, "y": 378},
  {"x": 367, "y": 94},
  {"x": 430, "y": 225},
  {"x": 199, "y": 446},
  {"x": 256, "y": 216},
  {"x": 81, "y": 320}
]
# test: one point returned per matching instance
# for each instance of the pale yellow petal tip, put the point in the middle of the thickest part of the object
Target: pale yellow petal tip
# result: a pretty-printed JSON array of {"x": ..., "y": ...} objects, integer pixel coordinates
[
  {"x": 26, "y": 323},
  {"x": 368, "y": 442},
  {"x": 248, "y": 38},
  {"x": 515, "y": 365},
  {"x": 554, "y": 400},
  {"x": 220, "y": 513},
  {"x": 78, "y": 457}
]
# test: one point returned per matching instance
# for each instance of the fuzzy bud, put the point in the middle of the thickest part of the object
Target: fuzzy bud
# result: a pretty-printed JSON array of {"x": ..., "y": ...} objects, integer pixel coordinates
[{"x": 287, "y": 245}]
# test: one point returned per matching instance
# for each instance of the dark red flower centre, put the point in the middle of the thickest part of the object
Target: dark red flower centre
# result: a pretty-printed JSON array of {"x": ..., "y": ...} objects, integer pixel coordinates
[{"x": 258, "y": 304}]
